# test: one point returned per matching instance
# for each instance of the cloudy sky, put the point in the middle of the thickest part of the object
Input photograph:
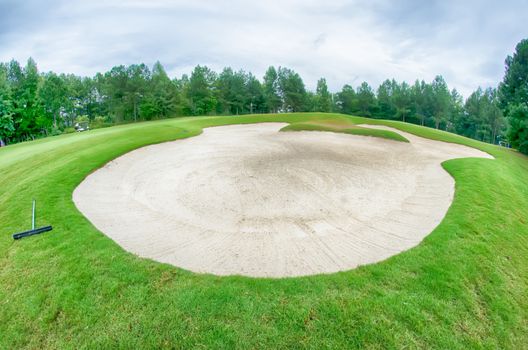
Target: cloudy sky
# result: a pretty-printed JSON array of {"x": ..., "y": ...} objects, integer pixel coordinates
[{"x": 344, "y": 41}]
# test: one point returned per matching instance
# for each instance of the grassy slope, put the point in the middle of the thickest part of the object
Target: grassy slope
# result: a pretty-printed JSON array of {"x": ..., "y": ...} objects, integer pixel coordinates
[
  {"x": 342, "y": 125},
  {"x": 464, "y": 286}
]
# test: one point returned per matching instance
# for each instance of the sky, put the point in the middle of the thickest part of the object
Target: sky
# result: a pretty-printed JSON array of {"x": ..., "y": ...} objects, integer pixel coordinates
[{"x": 346, "y": 42}]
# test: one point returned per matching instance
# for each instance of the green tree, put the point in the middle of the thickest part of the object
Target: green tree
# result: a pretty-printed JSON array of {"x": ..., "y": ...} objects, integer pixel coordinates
[
  {"x": 271, "y": 90},
  {"x": 402, "y": 100},
  {"x": 7, "y": 126},
  {"x": 418, "y": 97},
  {"x": 123, "y": 89},
  {"x": 494, "y": 116},
  {"x": 366, "y": 99},
  {"x": 311, "y": 102},
  {"x": 32, "y": 104},
  {"x": 292, "y": 90},
  {"x": 518, "y": 132},
  {"x": 199, "y": 91},
  {"x": 457, "y": 111},
  {"x": 513, "y": 93},
  {"x": 138, "y": 76},
  {"x": 346, "y": 101},
  {"x": 256, "y": 99},
  {"x": 162, "y": 97},
  {"x": 442, "y": 99},
  {"x": 232, "y": 92},
  {"x": 387, "y": 109},
  {"x": 468, "y": 125},
  {"x": 113, "y": 86},
  {"x": 84, "y": 97},
  {"x": 26, "y": 108},
  {"x": 54, "y": 96},
  {"x": 323, "y": 97},
  {"x": 483, "y": 119}
]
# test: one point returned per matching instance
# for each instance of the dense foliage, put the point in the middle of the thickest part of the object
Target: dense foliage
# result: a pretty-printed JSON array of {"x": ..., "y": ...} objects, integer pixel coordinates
[
  {"x": 33, "y": 105},
  {"x": 514, "y": 96}
]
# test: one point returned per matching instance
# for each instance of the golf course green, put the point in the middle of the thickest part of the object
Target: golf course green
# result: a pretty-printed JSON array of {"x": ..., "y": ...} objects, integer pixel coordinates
[{"x": 464, "y": 286}]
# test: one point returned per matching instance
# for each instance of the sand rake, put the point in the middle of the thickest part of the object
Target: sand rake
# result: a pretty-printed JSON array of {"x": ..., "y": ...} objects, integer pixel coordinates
[{"x": 33, "y": 231}]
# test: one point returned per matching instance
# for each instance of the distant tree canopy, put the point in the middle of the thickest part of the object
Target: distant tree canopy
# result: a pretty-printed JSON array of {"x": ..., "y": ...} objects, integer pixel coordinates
[
  {"x": 34, "y": 104},
  {"x": 513, "y": 96}
]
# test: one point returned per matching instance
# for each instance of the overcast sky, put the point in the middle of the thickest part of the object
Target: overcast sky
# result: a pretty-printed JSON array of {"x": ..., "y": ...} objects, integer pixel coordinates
[{"x": 346, "y": 42}]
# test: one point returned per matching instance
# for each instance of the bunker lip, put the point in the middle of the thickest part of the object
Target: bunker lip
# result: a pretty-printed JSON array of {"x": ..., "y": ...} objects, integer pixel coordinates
[{"x": 248, "y": 200}]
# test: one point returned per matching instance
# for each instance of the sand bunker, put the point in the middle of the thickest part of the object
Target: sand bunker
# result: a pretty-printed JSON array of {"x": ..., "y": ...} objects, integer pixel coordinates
[{"x": 249, "y": 200}]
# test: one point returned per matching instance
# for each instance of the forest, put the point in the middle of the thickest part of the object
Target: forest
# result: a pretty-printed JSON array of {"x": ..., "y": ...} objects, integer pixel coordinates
[{"x": 35, "y": 104}]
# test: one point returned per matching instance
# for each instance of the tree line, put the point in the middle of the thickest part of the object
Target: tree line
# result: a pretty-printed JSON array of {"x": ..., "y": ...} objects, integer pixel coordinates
[{"x": 34, "y": 104}]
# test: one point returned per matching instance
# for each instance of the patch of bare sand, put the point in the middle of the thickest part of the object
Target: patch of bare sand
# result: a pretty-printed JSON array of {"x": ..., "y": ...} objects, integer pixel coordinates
[{"x": 249, "y": 200}]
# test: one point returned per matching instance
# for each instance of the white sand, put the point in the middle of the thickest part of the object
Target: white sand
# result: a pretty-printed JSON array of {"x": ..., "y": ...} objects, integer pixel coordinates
[{"x": 248, "y": 200}]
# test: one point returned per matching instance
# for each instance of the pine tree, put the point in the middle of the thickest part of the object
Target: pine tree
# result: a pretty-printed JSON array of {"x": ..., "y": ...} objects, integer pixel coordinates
[{"x": 513, "y": 93}]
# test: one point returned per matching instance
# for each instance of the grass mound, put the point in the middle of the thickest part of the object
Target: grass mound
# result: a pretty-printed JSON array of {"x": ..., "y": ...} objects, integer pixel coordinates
[
  {"x": 345, "y": 126},
  {"x": 464, "y": 286}
]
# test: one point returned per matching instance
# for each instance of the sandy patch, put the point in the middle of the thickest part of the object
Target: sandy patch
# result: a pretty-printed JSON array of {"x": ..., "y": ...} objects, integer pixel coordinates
[{"x": 248, "y": 200}]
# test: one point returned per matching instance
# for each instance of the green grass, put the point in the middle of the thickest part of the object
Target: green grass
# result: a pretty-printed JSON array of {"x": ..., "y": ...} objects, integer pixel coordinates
[
  {"x": 343, "y": 125},
  {"x": 464, "y": 286}
]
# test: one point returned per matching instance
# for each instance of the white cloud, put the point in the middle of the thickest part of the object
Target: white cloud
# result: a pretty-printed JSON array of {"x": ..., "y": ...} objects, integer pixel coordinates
[{"x": 344, "y": 41}]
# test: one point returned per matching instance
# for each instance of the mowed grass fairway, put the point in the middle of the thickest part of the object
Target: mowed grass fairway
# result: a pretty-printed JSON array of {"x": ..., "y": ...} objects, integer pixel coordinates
[{"x": 464, "y": 286}]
